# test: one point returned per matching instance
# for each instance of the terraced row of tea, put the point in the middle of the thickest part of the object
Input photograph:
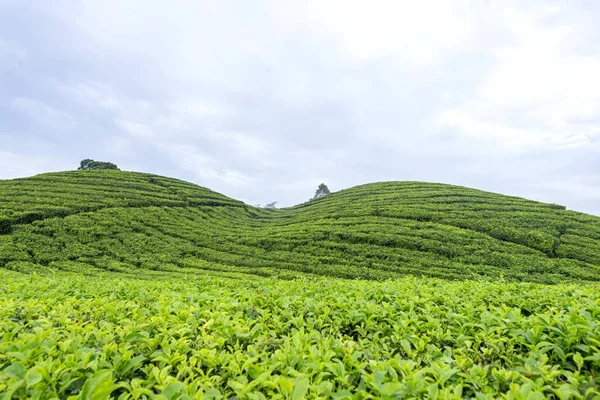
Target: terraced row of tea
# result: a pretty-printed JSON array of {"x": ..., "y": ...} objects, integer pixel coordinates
[{"x": 120, "y": 221}]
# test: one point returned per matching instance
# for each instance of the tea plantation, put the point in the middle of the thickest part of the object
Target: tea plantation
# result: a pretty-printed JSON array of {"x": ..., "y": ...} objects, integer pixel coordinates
[{"x": 132, "y": 286}]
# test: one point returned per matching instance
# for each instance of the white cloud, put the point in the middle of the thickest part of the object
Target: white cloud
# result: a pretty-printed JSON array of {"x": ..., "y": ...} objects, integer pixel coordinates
[
  {"x": 206, "y": 168},
  {"x": 10, "y": 52},
  {"x": 413, "y": 32},
  {"x": 251, "y": 147},
  {"x": 181, "y": 115},
  {"x": 135, "y": 129},
  {"x": 15, "y": 165},
  {"x": 92, "y": 94},
  {"x": 12, "y": 166},
  {"x": 241, "y": 96},
  {"x": 41, "y": 111},
  {"x": 537, "y": 94}
]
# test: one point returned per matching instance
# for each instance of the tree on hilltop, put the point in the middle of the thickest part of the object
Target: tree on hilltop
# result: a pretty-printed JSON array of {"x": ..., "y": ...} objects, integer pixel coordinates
[
  {"x": 322, "y": 190},
  {"x": 89, "y": 165}
]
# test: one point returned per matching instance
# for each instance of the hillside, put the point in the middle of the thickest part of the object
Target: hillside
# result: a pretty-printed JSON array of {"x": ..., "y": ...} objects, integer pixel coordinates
[
  {"x": 147, "y": 317},
  {"x": 93, "y": 221}
]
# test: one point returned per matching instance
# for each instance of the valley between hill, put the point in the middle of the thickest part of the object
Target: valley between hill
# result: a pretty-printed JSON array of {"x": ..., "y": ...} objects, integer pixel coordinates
[{"x": 87, "y": 221}]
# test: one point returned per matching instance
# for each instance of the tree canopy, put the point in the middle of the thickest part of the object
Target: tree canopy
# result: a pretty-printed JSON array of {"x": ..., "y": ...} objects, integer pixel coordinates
[
  {"x": 271, "y": 205},
  {"x": 322, "y": 190},
  {"x": 89, "y": 164}
]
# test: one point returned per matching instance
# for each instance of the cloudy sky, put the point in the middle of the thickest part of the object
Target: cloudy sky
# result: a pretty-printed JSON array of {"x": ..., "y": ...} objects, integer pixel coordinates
[{"x": 263, "y": 100}]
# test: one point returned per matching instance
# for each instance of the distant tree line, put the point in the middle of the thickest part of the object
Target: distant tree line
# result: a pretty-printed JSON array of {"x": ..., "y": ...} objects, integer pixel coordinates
[{"x": 322, "y": 190}]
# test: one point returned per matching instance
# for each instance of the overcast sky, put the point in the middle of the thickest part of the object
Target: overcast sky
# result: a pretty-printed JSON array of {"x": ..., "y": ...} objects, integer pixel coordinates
[{"x": 264, "y": 100}]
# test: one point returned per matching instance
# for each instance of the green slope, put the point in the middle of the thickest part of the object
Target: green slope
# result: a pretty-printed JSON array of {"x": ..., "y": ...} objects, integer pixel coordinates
[
  {"x": 130, "y": 222},
  {"x": 176, "y": 334},
  {"x": 65, "y": 193},
  {"x": 68, "y": 336}
]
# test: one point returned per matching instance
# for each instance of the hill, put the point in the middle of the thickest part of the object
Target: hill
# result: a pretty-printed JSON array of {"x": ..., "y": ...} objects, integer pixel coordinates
[
  {"x": 93, "y": 221},
  {"x": 145, "y": 317}
]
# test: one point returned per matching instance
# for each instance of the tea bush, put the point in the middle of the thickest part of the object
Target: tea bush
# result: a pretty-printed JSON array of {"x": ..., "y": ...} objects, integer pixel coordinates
[
  {"x": 65, "y": 335},
  {"x": 114, "y": 220}
]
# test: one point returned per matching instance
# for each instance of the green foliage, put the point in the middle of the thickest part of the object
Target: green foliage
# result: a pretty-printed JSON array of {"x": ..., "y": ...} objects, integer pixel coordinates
[
  {"x": 23, "y": 201},
  {"x": 89, "y": 165},
  {"x": 132, "y": 286},
  {"x": 124, "y": 221},
  {"x": 65, "y": 336},
  {"x": 321, "y": 191}
]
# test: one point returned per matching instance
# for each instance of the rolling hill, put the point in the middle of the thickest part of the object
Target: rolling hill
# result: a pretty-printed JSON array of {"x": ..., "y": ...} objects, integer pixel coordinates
[
  {"x": 91, "y": 221},
  {"x": 136, "y": 286}
]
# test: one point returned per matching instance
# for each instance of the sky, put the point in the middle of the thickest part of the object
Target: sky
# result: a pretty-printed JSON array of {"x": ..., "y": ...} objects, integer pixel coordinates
[{"x": 264, "y": 100}]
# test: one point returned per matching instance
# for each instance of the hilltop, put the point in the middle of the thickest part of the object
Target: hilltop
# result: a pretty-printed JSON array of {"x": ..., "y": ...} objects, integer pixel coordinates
[{"x": 93, "y": 221}]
